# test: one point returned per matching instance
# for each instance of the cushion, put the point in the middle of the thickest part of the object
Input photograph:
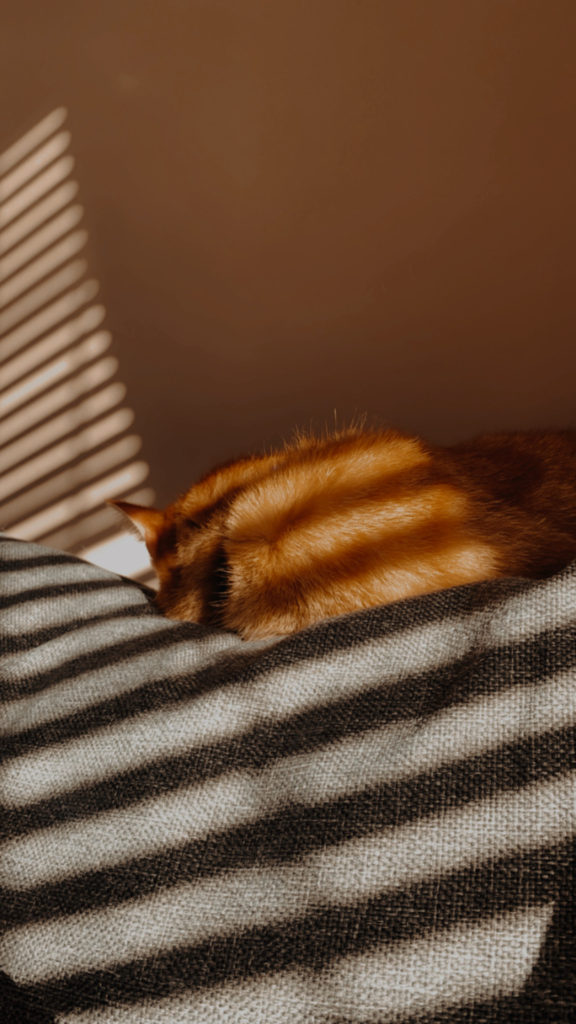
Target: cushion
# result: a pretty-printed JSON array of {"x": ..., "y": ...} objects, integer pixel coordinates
[{"x": 369, "y": 821}]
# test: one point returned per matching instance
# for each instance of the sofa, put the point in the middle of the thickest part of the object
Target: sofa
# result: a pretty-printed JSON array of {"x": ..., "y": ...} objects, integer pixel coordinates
[{"x": 370, "y": 821}]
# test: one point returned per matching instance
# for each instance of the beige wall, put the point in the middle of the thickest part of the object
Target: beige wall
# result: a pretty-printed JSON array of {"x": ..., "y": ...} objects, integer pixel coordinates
[{"x": 296, "y": 207}]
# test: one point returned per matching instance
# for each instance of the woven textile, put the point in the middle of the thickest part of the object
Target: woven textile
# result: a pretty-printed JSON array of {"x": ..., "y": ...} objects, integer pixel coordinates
[{"x": 370, "y": 821}]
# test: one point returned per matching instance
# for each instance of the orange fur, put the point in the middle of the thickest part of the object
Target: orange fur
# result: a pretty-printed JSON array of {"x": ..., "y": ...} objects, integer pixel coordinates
[{"x": 270, "y": 544}]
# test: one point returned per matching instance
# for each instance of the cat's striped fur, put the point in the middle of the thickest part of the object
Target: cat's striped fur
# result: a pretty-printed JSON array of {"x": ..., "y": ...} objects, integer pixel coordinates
[{"x": 272, "y": 543}]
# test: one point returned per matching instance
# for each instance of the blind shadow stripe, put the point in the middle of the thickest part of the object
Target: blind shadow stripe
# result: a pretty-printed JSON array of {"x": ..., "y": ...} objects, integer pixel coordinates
[
  {"x": 415, "y": 697},
  {"x": 317, "y": 939},
  {"x": 294, "y": 830}
]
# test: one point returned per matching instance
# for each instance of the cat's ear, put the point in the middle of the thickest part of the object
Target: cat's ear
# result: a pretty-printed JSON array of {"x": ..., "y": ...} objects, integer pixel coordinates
[{"x": 148, "y": 521}]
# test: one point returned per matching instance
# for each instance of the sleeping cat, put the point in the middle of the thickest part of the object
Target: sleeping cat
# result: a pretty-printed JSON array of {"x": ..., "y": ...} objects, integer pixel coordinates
[{"x": 271, "y": 543}]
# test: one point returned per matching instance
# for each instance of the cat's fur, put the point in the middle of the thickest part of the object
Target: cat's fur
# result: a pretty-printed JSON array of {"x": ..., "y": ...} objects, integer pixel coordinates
[{"x": 272, "y": 543}]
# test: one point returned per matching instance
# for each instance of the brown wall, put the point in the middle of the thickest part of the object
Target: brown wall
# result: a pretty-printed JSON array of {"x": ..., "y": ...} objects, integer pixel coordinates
[{"x": 296, "y": 207}]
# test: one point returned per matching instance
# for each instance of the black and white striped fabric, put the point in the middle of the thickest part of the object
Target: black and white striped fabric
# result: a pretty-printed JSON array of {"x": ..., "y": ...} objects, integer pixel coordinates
[{"x": 371, "y": 821}]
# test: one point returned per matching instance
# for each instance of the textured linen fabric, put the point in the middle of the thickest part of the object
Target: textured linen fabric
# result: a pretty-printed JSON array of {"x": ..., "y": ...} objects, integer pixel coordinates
[{"x": 370, "y": 821}]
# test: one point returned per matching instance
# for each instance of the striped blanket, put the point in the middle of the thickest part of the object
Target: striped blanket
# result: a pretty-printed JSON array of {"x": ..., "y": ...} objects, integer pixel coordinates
[{"x": 370, "y": 821}]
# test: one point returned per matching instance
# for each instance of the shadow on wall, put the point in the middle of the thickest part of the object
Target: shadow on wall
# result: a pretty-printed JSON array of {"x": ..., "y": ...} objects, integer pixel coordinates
[{"x": 65, "y": 440}]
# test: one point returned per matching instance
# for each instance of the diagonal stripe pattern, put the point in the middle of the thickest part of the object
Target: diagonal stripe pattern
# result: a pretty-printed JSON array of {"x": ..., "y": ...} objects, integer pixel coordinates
[
  {"x": 65, "y": 440},
  {"x": 369, "y": 821}
]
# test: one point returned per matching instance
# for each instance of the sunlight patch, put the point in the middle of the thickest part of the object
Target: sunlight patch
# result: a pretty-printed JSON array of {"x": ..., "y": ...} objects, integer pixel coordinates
[{"x": 51, "y": 361}]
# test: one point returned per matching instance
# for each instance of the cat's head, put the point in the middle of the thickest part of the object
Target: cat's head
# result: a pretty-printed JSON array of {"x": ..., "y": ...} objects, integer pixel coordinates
[
  {"x": 185, "y": 555},
  {"x": 206, "y": 548}
]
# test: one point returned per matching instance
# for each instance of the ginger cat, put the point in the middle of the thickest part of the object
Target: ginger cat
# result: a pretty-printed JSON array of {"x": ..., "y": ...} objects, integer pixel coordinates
[{"x": 269, "y": 544}]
